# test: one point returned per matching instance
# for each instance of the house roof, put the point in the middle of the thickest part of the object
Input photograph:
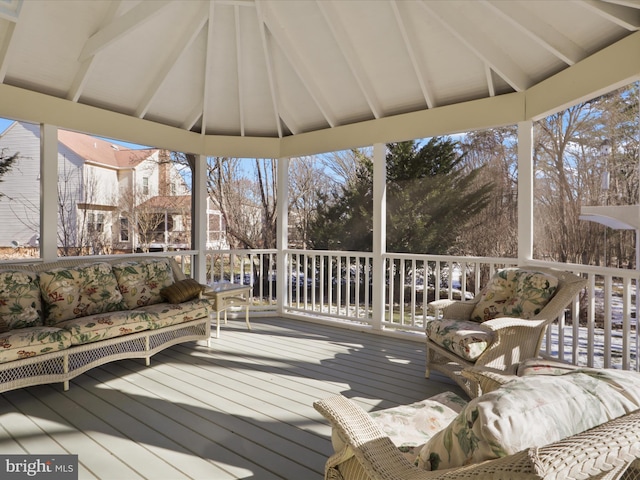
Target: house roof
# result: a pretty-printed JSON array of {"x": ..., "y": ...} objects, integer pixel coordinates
[
  {"x": 279, "y": 78},
  {"x": 101, "y": 151},
  {"x": 174, "y": 203}
]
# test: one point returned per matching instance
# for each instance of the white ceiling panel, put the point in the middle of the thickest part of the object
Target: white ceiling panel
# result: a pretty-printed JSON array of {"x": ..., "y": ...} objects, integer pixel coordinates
[{"x": 276, "y": 68}]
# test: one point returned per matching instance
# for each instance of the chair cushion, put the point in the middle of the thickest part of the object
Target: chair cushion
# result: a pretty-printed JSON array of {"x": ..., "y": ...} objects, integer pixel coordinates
[
  {"x": 105, "y": 325},
  {"x": 531, "y": 411},
  {"x": 465, "y": 338},
  {"x": 20, "y": 303},
  {"x": 140, "y": 281},
  {"x": 182, "y": 291},
  {"x": 79, "y": 291},
  {"x": 410, "y": 426},
  {"x": 514, "y": 292},
  {"x": 166, "y": 314},
  {"x": 30, "y": 342}
]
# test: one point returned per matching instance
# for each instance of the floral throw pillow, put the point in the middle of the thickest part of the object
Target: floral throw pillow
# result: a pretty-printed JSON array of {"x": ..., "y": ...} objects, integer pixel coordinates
[
  {"x": 20, "y": 304},
  {"x": 79, "y": 291},
  {"x": 531, "y": 411},
  {"x": 141, "y": 281},
  {"x": 513, "y": 292},
  {"x": 533, "y": 291},
  {"x": 495, "y": 295}
]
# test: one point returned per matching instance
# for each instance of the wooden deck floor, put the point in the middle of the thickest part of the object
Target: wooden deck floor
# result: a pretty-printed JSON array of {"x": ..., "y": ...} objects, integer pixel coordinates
[{"x": 240, "y": 410}]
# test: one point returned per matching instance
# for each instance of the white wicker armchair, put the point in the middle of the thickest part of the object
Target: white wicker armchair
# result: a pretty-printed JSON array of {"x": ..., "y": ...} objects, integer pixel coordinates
[
  {"x": 604, "y": 452},
  {"x": 512, "y": 339}
]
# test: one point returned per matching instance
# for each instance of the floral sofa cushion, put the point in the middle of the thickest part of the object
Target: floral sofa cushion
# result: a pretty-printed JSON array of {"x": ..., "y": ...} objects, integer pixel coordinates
[
  {"x": 410, "y": 426},
  {"x": 166, "y": 314},
  {"x": 514, "y": 292},
  {"x": 32, "y": 341},
  {"x": 20, "y": 303},
  {"x": 141, "y": 281},
  {"x": 465, "y": 338},
  {"x": 105, "y": 325},
  {"x": 79, "y": 291},
  {"x": 531, "y": 411}
]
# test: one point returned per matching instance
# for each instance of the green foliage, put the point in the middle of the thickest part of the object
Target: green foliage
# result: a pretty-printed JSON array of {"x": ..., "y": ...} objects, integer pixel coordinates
[
  {"x": 5, "y": 165},
  {"x": 430, "y": 197}
]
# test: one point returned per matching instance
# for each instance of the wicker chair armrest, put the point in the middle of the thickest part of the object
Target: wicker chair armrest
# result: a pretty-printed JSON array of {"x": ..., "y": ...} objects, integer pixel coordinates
[
  {"x": 488, "y": 379},
  {"x": 459, "y": 310},
  {"x": 605, "y": 448},
  {"x": 437, "y": 306},
  {"x": 503, "y": 323}
]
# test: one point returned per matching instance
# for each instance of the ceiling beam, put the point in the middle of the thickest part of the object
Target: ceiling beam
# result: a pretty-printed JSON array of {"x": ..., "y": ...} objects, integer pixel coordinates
[
  {"x": 602, "y": 72},
  {"x": 82, "y": 74},
  {"x": 275, "y": 99},
  {"x": 463, "y": 27},
  {"x": 419, "y": 67},
  {"x": 623, "y": 16},
  {"x": 490, "y": 83},
  {"x": 191, "y": 31},
  {"x": 141, "y": 13},
  {"x": 5, "y": 50},
  {"x": 538, "y": 30},
  {"x": 239, "y": 68},
  {"x": 341, "y": 36},
  {"x": 299, "y": 64},
  {"x": 208, "y": 62},
  {"x": 12, "y": 12}
]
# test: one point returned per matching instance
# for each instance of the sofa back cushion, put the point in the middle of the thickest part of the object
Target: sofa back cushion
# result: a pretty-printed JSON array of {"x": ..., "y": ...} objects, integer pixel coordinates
[
  {"x": 141, "y": 281},
  {"x": 529, "y": 412},
  {"x": 514, "y": 292},
  {"x": 20, "y": 304},
  {"x": 79, "y": 291}
]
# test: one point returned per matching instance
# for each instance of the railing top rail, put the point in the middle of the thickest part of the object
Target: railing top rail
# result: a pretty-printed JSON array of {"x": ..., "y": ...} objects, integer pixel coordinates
[
  {"x": 89, "y": 258},
  {"x": 450, "y": 258},
  {"x": 337, "y": 253},
  {"x": 593, "y": 269}
]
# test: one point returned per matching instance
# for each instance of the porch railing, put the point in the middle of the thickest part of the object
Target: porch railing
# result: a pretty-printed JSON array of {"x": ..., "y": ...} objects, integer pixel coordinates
[{"x": 598, "y": 329}]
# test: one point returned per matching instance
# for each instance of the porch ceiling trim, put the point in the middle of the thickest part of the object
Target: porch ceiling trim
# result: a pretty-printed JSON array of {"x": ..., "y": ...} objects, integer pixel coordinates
[{"x": 610, "y": 68}]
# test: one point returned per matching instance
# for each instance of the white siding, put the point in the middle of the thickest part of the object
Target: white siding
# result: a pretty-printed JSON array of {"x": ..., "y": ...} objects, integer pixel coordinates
[{"x": 20, "y": 205}]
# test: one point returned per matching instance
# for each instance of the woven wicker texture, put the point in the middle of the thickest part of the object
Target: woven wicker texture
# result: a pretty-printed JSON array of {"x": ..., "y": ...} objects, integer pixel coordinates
[
  {"x": 515, "y": 339},
  {"x": 603, "y": 452},
  {"x": 62, "y": 366}
]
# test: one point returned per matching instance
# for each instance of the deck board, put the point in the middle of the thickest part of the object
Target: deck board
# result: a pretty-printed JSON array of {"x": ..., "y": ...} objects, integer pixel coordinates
[{"x": 241, "y": 409}]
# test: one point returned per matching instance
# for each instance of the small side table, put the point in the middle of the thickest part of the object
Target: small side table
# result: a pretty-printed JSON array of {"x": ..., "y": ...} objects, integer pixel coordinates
[{"x": 226, "y": 295}]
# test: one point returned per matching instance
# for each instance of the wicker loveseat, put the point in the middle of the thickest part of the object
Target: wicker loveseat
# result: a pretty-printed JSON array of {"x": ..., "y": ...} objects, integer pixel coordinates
[
  {"x": 582, "y": 425},
  {"x": 60, "y": 319}
]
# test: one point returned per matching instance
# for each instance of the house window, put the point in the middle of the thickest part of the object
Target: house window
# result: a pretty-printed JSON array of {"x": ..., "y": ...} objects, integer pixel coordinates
[
  {"x": 100, "y": 222},
  {"x": 145, "y": 185},
  {"x": 173, "y": 189},
  {"x": 95, "y": 222},
  {"x": 124, "y": 229}
]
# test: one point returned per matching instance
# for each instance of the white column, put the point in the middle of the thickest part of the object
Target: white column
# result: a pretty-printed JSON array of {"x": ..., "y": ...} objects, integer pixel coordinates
[
  {"x": 282, "y": 232},
  {"x": 379, "y": 232},
  {"x": 525, "y": 191},
  {"x": 49, "y": 192},
  {"x": 199, "y": 219}
]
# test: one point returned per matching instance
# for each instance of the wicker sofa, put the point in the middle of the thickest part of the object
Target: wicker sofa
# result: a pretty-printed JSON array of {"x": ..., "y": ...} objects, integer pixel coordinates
[
  {"x": 60, "y": 319},
  {"x": 577, "y": 424}
]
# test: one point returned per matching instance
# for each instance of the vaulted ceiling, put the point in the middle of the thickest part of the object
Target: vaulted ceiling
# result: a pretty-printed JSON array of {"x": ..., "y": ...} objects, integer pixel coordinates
[{"x": 277, "y": 69}]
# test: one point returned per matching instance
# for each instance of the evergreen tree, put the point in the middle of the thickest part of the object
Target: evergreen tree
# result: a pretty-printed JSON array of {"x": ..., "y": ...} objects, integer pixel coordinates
[
  {"x": 430, "y": 197},
  {"x": 5, "y": 165}
]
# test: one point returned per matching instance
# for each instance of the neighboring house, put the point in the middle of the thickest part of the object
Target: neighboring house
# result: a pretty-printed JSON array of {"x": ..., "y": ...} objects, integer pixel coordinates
[{"x": 111, "y": 198}]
